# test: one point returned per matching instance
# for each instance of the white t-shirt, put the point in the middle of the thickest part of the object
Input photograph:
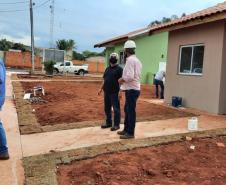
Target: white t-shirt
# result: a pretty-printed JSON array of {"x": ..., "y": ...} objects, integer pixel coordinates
[{"x": 160, "y": 75}]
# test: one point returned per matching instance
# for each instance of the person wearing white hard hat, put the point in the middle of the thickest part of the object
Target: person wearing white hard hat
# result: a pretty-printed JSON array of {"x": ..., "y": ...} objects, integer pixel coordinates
[
  {"x": 111, "y": 90},
  {"x": 130, "y": 83}
]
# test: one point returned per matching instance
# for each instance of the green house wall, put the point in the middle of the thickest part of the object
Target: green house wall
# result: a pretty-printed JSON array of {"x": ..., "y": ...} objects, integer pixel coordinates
[{"x": 151, "y": 50}]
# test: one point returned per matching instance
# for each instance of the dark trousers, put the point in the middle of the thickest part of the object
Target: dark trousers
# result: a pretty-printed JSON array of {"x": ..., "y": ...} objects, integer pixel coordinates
[
  {"x": 112, "y": 100},
  {"x": 157, "y": 84},
  {"x": 3, "y": 143},
  {"x": 130, "y": 111}
]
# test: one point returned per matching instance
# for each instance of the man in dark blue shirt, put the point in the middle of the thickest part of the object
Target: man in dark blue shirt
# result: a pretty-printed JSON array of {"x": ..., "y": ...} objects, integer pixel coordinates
[{"x": 111, "y": 90}]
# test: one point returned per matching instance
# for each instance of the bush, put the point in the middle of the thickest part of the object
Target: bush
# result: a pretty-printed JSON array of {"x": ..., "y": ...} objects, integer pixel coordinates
[{"x": 49, "y": 67}]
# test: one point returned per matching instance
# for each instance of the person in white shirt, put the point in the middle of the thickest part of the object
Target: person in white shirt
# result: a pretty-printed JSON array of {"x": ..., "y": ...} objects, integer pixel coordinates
[
  {"x": 159, "y": 82},
  {"x": 130, "y": 83}
]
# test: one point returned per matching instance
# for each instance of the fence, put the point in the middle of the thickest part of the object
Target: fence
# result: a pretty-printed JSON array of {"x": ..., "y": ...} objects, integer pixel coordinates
[
  {"x": 94, "y": 67},
  {"x": 53, "y": 55},
  {"x": 21, "y": 60}
]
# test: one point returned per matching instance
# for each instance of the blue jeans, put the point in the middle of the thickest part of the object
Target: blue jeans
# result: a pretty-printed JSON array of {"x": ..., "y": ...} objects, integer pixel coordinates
[
  {"x": 3, "y": 142},
  {"x": 130, "y": 111},
  {"x": 112, "y": 100}
]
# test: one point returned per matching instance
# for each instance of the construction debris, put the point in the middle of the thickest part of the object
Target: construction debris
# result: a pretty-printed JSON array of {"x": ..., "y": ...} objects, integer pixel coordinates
[
  {"x": 192, "y": 147},
  {"x": 35, "y": 95},
  {"x": 37, "y": 100},
  {"x": 221, "y": 145},
  {"x": 39, "y": 90},
  {"x": 188, "y": 138},
  {"x": 27, "y": 96}
]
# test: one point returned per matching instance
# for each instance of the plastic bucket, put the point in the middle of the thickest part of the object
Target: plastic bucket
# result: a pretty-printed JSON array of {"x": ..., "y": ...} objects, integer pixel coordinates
[
  {"x": 176, "y": 101},
  {"x": 193, "y": 124}
]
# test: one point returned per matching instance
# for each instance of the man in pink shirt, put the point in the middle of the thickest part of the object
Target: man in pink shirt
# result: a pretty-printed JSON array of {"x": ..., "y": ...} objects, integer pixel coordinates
[{"x": 130, "y": 83}]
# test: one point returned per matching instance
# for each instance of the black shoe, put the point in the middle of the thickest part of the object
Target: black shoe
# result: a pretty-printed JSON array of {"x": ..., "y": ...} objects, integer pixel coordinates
[
  {"x": 121, "y": 133},
  {"x": 127, "y": 136},
  {"x": 115, "y": 128},
  {"x": 104, "y": 126},
  {"x": 4, "y": 156}
]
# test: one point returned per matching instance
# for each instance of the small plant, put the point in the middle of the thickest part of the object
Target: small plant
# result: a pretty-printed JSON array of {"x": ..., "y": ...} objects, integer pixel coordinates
[{"x": 49, "y": 67}]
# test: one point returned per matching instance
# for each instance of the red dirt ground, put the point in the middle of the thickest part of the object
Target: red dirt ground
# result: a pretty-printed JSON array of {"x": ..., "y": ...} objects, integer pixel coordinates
[
  {"x": 77, "y": 102},
  {"x": 174, "y": 164}
]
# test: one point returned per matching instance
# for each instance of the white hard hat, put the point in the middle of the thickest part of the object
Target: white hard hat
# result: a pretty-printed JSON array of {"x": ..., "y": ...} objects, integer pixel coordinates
[
  {"x": 114, "y": 55},
  {"x": 129, "y": 44}
]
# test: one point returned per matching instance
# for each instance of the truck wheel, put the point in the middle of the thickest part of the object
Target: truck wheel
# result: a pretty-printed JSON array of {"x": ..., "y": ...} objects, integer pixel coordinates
[
  {"x": 81, "y": 72},
  {"x": 55, "y": 71}
]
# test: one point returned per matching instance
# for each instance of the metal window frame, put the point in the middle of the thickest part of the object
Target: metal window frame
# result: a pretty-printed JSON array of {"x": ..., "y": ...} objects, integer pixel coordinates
[
  {"x": 123, "y": 57},
  {"x": 192, "y": 57}
]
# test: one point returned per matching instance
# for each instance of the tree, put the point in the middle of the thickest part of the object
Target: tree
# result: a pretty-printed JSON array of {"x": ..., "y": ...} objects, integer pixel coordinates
[
  {"x": 66, "y": 44},
  {"x": 78, "y": 56},
  {"x": 183, "y": 15},
  {"x": 19, "y": 46},
  {"x": 156, "y": 22},
  {"x": 165, "y": 20},
  {"x": 88, "y": 54},
  {"x": 5, "y": 45},
  {"x": 173, "y": 17}
]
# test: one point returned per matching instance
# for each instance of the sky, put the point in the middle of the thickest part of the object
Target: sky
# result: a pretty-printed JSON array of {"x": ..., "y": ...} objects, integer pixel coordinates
[{"x": 88, "y": 21}]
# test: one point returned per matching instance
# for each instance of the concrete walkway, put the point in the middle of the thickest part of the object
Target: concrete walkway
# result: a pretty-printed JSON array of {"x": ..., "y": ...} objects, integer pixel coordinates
[
  {"x": 78, "y": 138},
  {"x": 11, "y": 171}
]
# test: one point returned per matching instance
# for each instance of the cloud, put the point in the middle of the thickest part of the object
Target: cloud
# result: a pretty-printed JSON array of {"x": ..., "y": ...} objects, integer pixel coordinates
[
  {"x": 26, "y": 40},
  {"x": 89, "y": 22}
]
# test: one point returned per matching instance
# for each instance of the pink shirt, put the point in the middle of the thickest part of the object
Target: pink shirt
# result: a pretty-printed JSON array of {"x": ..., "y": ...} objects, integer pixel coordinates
[{"x": 132, "y": 73}]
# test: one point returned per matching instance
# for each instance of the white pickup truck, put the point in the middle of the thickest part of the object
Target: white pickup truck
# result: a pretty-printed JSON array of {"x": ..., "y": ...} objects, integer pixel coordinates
[{"x": 69, "y": 67}]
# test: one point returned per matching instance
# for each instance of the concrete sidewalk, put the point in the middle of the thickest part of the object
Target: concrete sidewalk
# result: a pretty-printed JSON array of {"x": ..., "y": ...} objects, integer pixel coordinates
[
  {"x": 11, "y": 171},
  {"x": 78, "y": 138}
]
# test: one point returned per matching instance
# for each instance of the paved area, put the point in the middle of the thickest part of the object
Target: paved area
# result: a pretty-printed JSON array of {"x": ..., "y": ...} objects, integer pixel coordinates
[
  {"x": 77, "y": 138},
  {"x": 11, "y": 171}
]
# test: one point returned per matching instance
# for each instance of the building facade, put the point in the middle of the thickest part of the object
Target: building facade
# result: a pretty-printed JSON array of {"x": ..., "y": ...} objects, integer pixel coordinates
[{"x": 151, "y": 50}]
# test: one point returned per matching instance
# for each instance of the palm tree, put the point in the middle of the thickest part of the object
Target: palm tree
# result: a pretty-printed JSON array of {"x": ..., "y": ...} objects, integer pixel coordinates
[{"x": 66, "y": 44}]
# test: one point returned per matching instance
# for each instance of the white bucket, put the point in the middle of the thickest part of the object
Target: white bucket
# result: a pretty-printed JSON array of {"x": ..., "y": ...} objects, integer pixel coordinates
[{"x": 193, "y": 124}]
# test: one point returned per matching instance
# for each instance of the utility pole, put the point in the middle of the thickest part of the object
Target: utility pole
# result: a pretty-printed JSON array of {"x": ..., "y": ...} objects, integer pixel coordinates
[
  {"x": 52, "y": 11},
  {"x": 32, "y": 38}
]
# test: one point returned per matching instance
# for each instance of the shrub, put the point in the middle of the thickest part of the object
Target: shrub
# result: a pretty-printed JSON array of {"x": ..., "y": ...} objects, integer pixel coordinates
[{"x": 49, "y": 67}]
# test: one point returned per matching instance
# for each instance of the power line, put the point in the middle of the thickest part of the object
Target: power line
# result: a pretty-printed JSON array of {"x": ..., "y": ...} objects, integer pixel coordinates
[
  {"x": 18, "y": 2},
  {"x": 32, "y": 37},
  {"x": 52, "y": 12},
  {"x": 42, "y": 4},
  {"x": 22, "y": 10}
]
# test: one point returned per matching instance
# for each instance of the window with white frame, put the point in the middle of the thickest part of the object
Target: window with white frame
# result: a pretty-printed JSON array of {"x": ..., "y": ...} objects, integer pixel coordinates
[{"x": 191, "y": 59}]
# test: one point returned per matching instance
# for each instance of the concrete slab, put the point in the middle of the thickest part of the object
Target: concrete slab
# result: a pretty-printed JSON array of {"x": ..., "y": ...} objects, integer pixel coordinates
[
  {"x": 78, "y": 138},
  {"x": 11, "y": 171}
]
